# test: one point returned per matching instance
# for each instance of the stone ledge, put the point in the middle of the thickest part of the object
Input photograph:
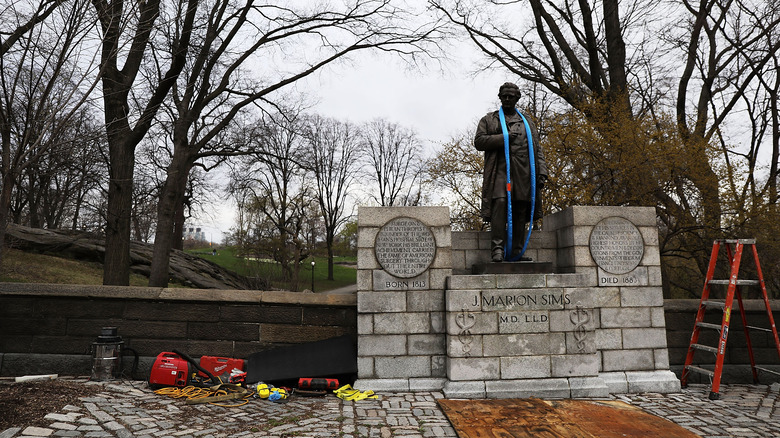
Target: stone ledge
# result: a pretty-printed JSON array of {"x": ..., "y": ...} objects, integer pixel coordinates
[{"x": 176, "y": 294}]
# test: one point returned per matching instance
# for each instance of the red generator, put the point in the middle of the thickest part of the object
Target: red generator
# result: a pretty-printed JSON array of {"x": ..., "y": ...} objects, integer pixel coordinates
[
  {"x": 219, "y": 366},
  {"x": 169, "y": 369}
]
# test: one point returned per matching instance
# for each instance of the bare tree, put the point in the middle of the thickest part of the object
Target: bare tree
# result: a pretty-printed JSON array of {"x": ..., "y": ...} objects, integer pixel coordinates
[
  {"x": 218, "y": 84},
  {"x": 455, "y": 173},
  {"x": 127, "y": 29},
  {"x": 696, "y": 67},
  {"x": 41, "y": 86},
  {"x": 331, "y": 155},
  {"x": 274, "y": 180},
  {"x": 393, "y": 157}
]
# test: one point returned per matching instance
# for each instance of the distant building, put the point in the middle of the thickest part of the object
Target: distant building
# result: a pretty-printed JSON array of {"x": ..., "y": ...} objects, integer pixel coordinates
[{"x": 195, "y": 234}]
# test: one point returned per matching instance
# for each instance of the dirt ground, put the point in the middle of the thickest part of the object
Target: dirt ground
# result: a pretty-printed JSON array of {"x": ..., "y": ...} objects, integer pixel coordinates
[{"x": 25, "y": 404}]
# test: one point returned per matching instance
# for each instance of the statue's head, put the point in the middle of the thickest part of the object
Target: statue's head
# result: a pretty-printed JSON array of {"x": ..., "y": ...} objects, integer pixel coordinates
[{"x": 509, "y": 94}]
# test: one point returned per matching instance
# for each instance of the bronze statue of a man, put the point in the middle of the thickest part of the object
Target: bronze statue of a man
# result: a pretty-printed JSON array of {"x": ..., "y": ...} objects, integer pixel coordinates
[{"x": 490, "y": 140}]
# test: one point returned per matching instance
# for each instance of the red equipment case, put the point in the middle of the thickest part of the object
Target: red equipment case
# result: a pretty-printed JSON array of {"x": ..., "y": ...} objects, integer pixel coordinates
[
  {"x": 169, "y": 369},
  {"x": 219, "y": 366},
  {"x": 318, "y": 383}
]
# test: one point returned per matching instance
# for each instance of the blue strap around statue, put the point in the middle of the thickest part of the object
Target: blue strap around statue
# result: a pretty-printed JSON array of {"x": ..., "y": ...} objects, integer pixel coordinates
[{"x": 531, "y": 158}]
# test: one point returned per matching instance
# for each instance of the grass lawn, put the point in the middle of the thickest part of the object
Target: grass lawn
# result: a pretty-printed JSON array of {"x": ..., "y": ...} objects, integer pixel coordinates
[
  {"x": 342, "y": 275},
  {"x": 27, "y": 267}
]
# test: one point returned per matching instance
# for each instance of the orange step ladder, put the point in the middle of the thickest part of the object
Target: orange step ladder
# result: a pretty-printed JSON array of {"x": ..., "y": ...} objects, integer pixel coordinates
[{"x": 733, "y": 283}]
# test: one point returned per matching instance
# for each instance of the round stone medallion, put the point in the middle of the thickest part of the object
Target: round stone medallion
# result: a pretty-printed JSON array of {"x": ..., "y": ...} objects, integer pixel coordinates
[
  {"x": 616, "y": 245},
  {"x": 405, "y": 247}
]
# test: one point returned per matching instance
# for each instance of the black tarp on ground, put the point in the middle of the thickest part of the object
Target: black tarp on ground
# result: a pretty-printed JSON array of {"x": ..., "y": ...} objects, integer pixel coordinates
[{"x": 335, "y": 357}]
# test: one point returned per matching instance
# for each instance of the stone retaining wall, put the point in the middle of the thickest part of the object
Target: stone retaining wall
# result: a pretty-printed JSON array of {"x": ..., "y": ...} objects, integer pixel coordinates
[{"x": 50, "y": 328}]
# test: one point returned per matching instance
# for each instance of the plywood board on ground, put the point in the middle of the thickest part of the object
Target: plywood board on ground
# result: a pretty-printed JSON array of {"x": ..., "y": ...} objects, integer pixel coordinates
[{"x": 532, "y": 417}]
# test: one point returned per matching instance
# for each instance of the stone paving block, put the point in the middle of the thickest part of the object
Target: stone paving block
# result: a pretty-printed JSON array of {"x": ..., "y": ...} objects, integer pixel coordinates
[
  {"x": 37, "y": 431},
  {"x": 743, "y": 410}
]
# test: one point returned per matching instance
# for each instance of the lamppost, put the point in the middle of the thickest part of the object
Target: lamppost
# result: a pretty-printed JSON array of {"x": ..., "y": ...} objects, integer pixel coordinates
[{"x": 312, "y": 275}]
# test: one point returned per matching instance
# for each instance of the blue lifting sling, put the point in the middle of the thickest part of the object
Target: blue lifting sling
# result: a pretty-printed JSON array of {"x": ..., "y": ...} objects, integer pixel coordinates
[{"x": 532, "y": 160}]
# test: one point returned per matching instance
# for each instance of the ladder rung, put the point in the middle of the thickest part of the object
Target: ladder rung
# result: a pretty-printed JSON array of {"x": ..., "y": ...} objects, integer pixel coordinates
[
  {"x": 719, "y": 304},
  {"x": 742, "y": 241},
  {"x": 699, "y": 370},
  {"x": 763, "y": 329},
  {"x": 709, "y": 325},
  {"x": 707, "y": 348},
  {"x": 739, "y": 282},
  {"x": 766, "y": 370}
]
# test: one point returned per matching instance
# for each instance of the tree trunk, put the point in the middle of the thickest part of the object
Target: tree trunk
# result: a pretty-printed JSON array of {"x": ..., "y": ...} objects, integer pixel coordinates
[
  {"x": 329, "y": 244},
  {"x": 178, "y": 226},
  {"x": 171, "y": 200},
  {"x": 116, "y": 268}
]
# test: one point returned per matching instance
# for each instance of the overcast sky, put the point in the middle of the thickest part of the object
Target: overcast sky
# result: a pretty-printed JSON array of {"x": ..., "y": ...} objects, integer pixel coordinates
[{"x": 437, "y": 105}]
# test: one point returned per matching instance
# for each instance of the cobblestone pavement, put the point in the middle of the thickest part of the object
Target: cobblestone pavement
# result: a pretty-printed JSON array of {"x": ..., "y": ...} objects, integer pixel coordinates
[{"x": 130, "y": 409}]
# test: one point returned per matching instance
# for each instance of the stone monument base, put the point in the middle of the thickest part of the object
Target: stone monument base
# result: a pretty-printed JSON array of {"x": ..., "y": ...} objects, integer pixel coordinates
[
  {"x": 513, "y": 268},
  {"x": 600, "y": 386}
]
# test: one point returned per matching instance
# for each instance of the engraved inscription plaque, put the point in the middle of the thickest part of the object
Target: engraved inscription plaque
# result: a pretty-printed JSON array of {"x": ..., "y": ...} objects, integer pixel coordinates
[
  {"x": 616, "y": 245},
  {"x": 405, "y": 247}
]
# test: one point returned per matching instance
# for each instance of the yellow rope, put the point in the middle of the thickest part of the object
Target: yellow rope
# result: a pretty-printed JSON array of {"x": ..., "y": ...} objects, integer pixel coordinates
[{"x": 192, "y": 392}]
